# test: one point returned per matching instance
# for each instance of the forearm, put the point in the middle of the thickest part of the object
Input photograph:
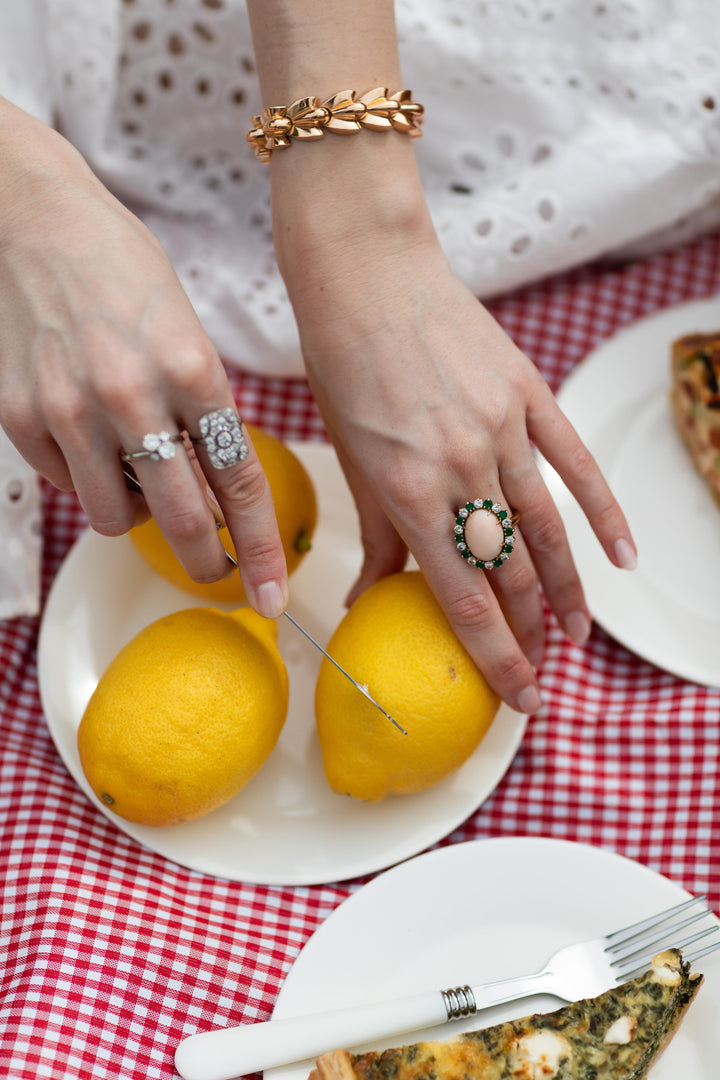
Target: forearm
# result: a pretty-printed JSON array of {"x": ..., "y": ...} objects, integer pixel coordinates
[
  {"x": 320, "y": 46},
  {"x": 343, "y": 202}
]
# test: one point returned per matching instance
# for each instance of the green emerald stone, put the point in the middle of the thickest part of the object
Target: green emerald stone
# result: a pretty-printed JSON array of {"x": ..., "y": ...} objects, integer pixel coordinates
[
  {"x": 469, "y": 506},
  {"x": 502, "y": 514},
  {"x": 487, "y": 504},
  {"x": 497, "y": 562},
  {"x": 459, "y": 521}
]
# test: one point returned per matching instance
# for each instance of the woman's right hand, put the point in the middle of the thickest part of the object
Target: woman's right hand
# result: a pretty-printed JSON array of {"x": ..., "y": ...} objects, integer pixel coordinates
[
  {"x": 99, "y": 346},
  {"x": 430, "y": 404}
]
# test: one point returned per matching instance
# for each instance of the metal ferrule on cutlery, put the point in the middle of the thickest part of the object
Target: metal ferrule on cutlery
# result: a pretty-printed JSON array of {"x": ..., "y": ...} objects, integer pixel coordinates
[{"x": 585, "y": 969}]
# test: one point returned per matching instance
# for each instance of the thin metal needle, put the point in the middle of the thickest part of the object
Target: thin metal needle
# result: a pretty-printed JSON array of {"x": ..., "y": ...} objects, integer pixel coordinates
[
  {"x": 134, "y": 485},
  {"x": 363, "y": 689}
]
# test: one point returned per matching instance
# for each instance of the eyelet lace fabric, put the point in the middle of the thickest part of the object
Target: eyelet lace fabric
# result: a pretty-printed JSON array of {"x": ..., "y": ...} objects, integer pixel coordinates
[
  {"x": 556, "y": 132},
  {"x": 20, "y": 534}
]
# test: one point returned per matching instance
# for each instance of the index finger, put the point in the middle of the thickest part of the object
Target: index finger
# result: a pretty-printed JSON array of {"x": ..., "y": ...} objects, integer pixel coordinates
[{"x": 562, "y": 447}]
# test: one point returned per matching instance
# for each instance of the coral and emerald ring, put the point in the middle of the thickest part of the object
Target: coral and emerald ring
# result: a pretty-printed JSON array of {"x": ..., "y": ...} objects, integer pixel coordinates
[{"x": 484, "y": 533}]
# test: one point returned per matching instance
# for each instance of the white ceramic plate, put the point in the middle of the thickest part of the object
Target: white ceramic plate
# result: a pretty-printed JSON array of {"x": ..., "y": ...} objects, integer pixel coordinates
[
  {"x": 668, "y": 610},
  {"x": 482, "y": 910},
  {"x": 286, "y": 827}
]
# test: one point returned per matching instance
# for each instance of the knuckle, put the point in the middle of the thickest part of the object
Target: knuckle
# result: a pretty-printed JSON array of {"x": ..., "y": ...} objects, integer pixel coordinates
[
  {"x": 520, "y": 578},
  {"x": 511, "y": 668},
  {"x": 115, "y": 526},
  {"x": 547, "y": 534},
  {"x": 19, "y": 417},
  {"x": 607, "y": 518},
  {"x": 119, "y": 387},
  {"x": 580, "y": 461},
  {"x": 186, "y": 526},
  {"x": 260, "y": 551},
  {"x": 246, "y": 486},
  {"x": 67, "y": 411},
  {"x": 472, "y": 612},
  {"x": 194, "y": 368}
]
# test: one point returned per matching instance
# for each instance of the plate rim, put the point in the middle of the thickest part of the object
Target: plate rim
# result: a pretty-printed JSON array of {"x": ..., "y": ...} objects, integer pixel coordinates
[
  {"x": 350, "y": 869},
  {"x": 704, "y": 309},
  {"x": 464, "y": 853}
]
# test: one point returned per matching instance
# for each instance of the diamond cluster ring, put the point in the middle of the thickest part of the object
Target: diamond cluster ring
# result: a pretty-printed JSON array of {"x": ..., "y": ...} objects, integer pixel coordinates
[
  {"x": 484, "y": 533},
  {"x": 222, "y": 436}
]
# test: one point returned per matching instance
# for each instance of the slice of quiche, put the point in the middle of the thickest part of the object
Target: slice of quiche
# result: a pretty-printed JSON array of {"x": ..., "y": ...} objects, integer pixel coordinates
[
  {"x": 616, "y": 1036},
  {"x": 695, "y": 402}
]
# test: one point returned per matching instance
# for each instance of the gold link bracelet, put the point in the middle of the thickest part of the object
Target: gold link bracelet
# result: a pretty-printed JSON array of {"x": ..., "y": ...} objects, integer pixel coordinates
[{"x": 342, "y": 114}]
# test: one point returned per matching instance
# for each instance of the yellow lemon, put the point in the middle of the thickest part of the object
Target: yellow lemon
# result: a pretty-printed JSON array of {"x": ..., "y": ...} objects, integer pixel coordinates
[
  {"x": 185, "y": 715},
  {"x": 396, "y": 640},
  {"x": 295, "y": 502}
]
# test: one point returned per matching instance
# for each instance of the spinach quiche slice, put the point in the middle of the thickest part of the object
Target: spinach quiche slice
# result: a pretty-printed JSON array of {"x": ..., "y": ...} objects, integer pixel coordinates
[
  {"x": 695, "y": 402},
  {"x": 616, "y": 1036}
]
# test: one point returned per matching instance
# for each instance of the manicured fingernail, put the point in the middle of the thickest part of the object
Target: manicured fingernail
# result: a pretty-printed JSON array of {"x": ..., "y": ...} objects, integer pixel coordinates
[
  {"x": 577, "y": 627},
  {"x": 269, "y": 599},
  {"x": 529, "y": 700},
  {"x": 536, "y": 656},
  {"x": 625, "y": 554}
]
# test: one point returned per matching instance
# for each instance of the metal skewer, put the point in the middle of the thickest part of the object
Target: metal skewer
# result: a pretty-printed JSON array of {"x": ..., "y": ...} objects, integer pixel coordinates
[
  {"x": 360, "y": 686},
  {"x": 134, "y": 485}
]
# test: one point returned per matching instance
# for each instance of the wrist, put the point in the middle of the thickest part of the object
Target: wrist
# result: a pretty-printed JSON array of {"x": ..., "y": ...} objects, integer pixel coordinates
[{"x": 344, "y": 201}]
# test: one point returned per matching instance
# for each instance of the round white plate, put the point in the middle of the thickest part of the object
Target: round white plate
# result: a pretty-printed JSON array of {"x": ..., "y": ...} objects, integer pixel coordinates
[
  {"x": 482, "y": 910},
  {"x": 286, "y": 827},
  {"x": 668, "y": 609}
]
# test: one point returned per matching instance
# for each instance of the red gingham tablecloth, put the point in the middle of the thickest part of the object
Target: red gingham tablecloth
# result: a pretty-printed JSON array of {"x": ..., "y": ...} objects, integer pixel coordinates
[{"x": 110, "y": 954}]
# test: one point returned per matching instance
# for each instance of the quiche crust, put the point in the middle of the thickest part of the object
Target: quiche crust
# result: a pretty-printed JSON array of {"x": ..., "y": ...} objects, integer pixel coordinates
[
  {"x": 616, "y": 1036},
  {"x": 695, "y": 402}
]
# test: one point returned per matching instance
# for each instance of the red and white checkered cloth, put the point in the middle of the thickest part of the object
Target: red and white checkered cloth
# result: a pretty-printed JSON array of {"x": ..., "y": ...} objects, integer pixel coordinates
[{"x": 110, "y": 954}]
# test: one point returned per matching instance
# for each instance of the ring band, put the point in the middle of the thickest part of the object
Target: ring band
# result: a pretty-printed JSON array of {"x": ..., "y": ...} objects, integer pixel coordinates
[
  {"x": 222, "y": 436},
  {"x": 157, "y": 447},
  {"x": 484, "y": 533}
]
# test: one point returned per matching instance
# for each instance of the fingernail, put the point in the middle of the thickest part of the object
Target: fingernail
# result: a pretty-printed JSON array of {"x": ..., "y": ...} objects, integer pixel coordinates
[
  {"x": 270, "y": 599},
  {"x": 625, "y": 554},
  {"x": 577, "y": 627},
  {"x": 535, "y": 656},
  {"x": 529, "y": 700}
]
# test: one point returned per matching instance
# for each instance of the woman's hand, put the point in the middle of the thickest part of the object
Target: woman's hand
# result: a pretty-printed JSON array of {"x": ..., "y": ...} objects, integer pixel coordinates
[
  {"x": 100, "y": 346},
  {"x": 430, "y": 405}
]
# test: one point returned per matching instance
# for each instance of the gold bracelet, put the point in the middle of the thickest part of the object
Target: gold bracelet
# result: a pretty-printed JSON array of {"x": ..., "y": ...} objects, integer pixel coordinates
[{"x": 341, "y": 114}]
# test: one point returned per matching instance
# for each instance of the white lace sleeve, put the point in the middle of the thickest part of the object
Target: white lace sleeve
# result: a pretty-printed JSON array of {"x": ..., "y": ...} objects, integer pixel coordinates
[
  {"x": 23, "y": 61},
  {"x": 24, "y": 81},
  {"x": 20, "y": 534}
]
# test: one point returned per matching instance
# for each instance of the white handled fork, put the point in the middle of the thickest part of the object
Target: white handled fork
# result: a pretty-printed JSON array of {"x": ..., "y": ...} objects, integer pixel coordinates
[{"x": 578, "y": 971}]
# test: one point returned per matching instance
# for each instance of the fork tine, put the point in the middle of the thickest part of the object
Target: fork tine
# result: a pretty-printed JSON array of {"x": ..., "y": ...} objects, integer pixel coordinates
[
  {"x": 625, "y": 950},
  {"x": 638, "y": 961},
  {"x": 697, "y": 954},
  {"x": 626, "y": 934}
]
